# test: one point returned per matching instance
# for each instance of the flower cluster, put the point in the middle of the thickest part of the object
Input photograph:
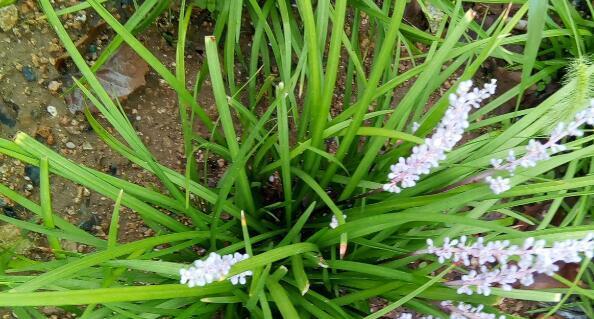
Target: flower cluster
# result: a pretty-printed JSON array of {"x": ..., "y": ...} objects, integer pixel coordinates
[
  {"x": 334, "y": 221},
  {"x": 466, "y": 311},
  {"x": 532, "y": 257},
  {"x": 213, "y": 268},
  {"x": 461, "y": 311},
  {"x": 537, "y": 151},
  {"x": 407, "y": 171},
  {"x": 406, "y": 315}
]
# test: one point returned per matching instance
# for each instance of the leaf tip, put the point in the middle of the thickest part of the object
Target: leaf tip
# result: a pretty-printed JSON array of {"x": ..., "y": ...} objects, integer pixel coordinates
[
  {"x": 343, "y": 250},
  {"x": 19, "y": 137},
  {"x": 243, "y": 219}
]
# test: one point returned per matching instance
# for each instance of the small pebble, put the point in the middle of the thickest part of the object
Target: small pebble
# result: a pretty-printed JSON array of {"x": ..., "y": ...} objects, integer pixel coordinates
[
  {"x": 70, "y": 145},
  {"x": 54, "y": 86},
  {"x": 32, "y": 173},
  {"x": 88, "y": 223},
  {"x": 10, "y": 212},
  {"x": 29, "y": 74},
  {"x": 52, "y": 110},
  {"x": 8, "y": 113},
  {"x": 82, "y": 17},
  {"x": 92, "y": 48},
  {"x": 87, "y": 146}
]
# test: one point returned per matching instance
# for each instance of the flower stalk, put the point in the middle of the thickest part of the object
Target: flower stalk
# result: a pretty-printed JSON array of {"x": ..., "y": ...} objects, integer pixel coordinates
[
  {"x": 449, "y": 131},
  {"x": 517, "y": 263},
  {"x": 537, "y": 151}
]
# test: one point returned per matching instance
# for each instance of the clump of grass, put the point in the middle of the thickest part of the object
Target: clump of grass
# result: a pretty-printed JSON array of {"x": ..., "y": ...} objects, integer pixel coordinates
[{"x": 333, "y": 239}]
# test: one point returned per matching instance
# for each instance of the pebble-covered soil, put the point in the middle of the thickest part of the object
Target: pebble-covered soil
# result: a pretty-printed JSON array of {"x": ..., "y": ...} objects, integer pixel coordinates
[{"x": 35, "y": 86}]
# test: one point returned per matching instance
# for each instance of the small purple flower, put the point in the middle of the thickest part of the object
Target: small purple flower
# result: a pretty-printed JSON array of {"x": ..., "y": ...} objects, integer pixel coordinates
[
  {"x": 530, "y": 258},
  {"x": 407, "y": 171},
  {"x": 467, "y": 311},
  {"x": 537, "y": 151}
]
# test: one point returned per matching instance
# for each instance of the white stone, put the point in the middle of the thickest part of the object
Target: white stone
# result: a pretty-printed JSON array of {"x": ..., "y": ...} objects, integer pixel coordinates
[
  {"x": 54, "y": 86},
  {"x": 52, "y": 110}
]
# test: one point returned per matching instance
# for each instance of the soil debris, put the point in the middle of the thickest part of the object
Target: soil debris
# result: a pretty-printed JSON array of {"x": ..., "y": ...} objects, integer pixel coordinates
[{"x": 9, "y": 16}]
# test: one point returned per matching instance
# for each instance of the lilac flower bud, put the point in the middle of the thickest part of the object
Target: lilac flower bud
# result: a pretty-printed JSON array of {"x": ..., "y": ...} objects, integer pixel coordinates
[
  {"x": 407, "y": 171},
  {"x": 467, "y": 311},
  {"x": 214, "y": 268},
  {"x": 334, "y": 221},
  {"x": 498, "y": 184},
  {"x": 537, "y": 151},
  {"x": 532, "y": 257},
  {"x": 461, "y": 311}
]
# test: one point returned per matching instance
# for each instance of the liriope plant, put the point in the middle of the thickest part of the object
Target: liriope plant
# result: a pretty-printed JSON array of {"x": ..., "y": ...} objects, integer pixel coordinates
[{"x": 337, "y": 235}]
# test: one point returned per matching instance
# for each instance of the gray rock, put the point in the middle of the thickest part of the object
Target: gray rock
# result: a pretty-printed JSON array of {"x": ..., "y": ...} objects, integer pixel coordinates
[
  {"x": 87, "y": 146},
  {"x": 29, "y": 74},
  {"x": 8, "y": 113},
  {"x": 33, "y": 173}
]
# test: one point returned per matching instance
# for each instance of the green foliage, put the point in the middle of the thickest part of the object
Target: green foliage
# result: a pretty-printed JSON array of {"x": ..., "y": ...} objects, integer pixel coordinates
[
  {"x": 310, "y": 107},
  {"x": 577, "y": 99},
  {"x": 4, "y": 3}
]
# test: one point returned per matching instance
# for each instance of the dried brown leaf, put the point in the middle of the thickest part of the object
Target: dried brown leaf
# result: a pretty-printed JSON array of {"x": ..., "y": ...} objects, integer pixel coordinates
[{"x": 123, "y": 73}]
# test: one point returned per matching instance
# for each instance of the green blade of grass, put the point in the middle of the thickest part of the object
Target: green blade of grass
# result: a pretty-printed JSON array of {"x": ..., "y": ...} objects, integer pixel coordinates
[
  {"x": 319, "y": 119},
  {"x": 368, "y": 225},
  {"x": 112, "y": 237},
  {"x": 298, "y": 226},
  {"x": 282, "y": 300},
  {"x": 284, "y": 152},
  {"x": 328, "y": 201},
  {"x": 46, "y": 204},
  {"x": 109, "y": 295},
  {"x": 99, "y": 257},
  {"x": 315, "y": 72},
  {"x": 227, "y": 122},
  {"x": 536, "y": 10},
  {"x": 271, "y": 256},
  {"x": 414, "y": 293}
]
